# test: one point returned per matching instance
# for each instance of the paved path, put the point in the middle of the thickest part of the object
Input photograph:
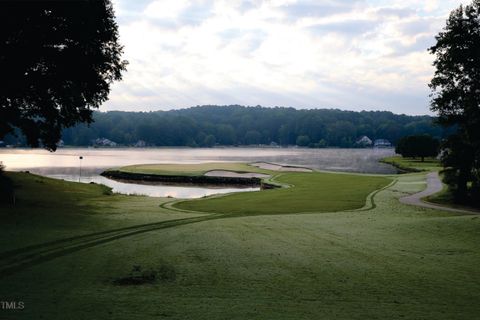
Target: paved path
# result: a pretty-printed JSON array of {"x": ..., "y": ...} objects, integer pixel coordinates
[{"x": 434, "y": 185}]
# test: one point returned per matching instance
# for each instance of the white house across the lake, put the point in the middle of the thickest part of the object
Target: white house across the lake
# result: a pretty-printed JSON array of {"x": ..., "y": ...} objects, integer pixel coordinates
[
  {"x": 382, "y": 143},
  {"x": 364, "y": 141}
]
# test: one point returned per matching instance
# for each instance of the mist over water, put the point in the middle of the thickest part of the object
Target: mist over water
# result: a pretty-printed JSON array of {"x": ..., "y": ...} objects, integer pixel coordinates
[{"x": 66, "y": 164}]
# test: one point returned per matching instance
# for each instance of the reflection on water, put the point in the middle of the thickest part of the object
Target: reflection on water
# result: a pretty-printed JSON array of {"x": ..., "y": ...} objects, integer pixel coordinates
[
  {"x": 66, "y": 164},
  {"x": 354, "y": 160}
]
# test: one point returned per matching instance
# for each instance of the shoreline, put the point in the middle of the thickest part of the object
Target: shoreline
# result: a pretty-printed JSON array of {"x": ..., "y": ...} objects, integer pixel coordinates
[{"x": 189, "y": 180}]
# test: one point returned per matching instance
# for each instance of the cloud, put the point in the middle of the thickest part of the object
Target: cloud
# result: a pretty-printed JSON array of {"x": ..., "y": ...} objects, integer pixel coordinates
[
  {"x": 395, "y": 12},
  {"x": 165, "y": 9},
  {"x": 361, "y": 54},
  {"x": 312, "y": 8},
  {"x": 349, "y": 27}
]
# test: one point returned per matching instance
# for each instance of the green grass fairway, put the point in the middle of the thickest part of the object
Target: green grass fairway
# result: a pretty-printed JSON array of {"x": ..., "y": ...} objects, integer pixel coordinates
[
  {"x": 415, "y": 165},
  {"x": 65, "y": 246},
  {"x": 309, "y": 192},
  {"x": 191, "y": 169}
]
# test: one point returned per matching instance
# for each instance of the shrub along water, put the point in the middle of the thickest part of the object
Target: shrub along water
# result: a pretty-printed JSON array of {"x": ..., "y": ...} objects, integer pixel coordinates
[{"x": 7, "y": 194}]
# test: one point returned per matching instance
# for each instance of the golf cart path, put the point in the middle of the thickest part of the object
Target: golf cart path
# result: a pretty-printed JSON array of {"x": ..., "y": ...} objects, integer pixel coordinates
[{"x": 434, "y": 185}]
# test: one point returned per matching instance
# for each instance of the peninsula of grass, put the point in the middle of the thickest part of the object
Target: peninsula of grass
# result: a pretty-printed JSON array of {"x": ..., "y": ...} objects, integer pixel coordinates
[
  {"x": 413, "y": 165},
  {"x": 307, "y": 192},
  {"x": 226, "y": 174},
  {"x": 197, "y": 169}
]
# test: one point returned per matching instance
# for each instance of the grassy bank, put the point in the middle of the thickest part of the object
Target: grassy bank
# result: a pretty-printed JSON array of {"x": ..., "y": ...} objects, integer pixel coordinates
[
  {"x": 391, "y": 262},
  {"x": 413, "y": 165},
  {"x": 48, "y": 209}
]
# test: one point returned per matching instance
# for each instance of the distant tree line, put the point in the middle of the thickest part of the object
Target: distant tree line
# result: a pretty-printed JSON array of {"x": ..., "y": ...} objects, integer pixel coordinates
[{"x": 207, "y": 126}]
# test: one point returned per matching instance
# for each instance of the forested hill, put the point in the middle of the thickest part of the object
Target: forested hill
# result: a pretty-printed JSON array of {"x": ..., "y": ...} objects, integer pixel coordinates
[{"x": 237, "y": 125}]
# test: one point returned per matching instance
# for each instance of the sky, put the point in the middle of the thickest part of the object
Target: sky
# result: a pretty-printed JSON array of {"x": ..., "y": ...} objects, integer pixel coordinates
[{"x": 351, "y": 55}]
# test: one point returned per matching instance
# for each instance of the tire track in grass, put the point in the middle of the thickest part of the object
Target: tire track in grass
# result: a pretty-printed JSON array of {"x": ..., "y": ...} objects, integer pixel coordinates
[
  {"x": 20, "y": 259},
  {"x": 370, "y": 201}
]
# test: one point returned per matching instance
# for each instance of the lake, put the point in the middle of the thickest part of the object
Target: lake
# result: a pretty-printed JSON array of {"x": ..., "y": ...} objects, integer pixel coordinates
[{"x": 66, "y": 164}]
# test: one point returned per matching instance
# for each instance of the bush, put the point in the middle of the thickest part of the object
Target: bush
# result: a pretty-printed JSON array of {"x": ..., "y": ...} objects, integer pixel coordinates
[
  {"x": 472, "y": 194},
  {"x": 6, "y": 187},
  {"x": 303, "y": 141}
]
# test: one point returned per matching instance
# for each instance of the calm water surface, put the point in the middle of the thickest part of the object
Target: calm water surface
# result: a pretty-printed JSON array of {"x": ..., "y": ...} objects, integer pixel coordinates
[{"x": 65, "y": 163}]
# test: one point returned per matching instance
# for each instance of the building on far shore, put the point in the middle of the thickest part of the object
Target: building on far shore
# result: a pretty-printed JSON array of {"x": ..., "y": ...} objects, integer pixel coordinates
[
  {"x": 382, "y": 143},
  {"x": 140, "y": 144},
  {"x": 104, "y": 142},
  {"x": 364, "y": 141}
]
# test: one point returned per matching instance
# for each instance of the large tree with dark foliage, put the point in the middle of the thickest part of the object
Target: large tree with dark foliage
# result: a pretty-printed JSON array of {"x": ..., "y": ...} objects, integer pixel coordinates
[
  {"x": 456, "y": 98},
  {"x": 417, "y": 146},
  {"x": 57, "y": 59}
]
